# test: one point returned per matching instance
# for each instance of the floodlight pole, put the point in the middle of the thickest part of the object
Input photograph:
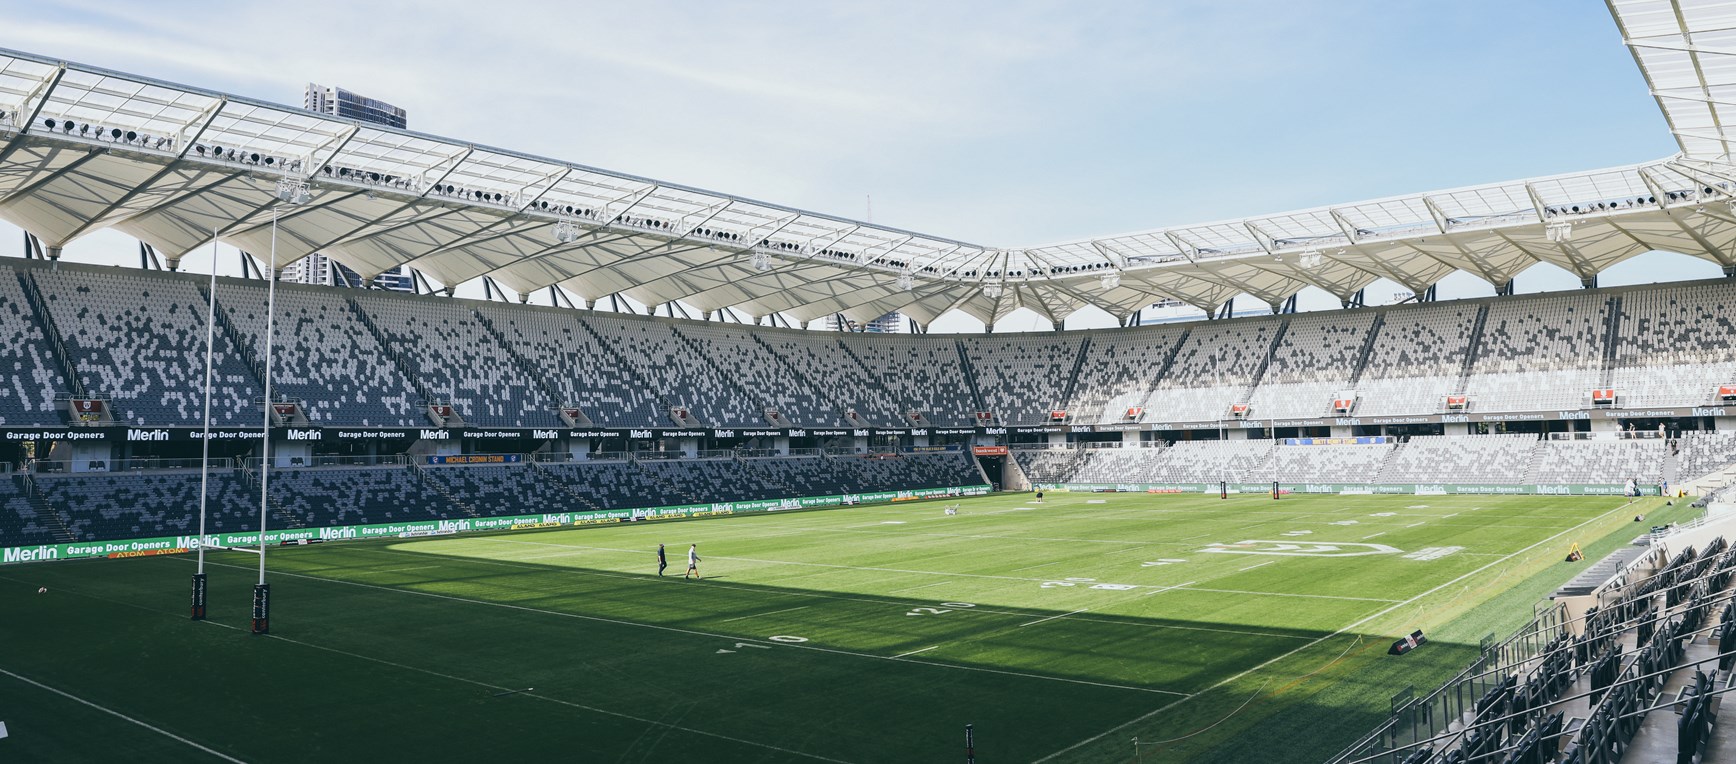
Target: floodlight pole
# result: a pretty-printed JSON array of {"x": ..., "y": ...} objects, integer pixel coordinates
[
  {"x": 205, "y": 442},
  {"x": 262, "y": 590}
]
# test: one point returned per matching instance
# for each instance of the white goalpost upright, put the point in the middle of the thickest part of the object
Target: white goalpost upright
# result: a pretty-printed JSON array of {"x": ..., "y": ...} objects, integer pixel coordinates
[{"x": 205, "y": 445}]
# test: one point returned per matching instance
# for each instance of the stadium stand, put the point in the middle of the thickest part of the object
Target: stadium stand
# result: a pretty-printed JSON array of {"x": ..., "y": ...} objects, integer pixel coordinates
[
  {"x": 1213, "y": 369},
  {"x": 1417, "y": 360},
  {"x": 1048, "y": 465},
  {"x": 328, "y": 496},
  {"x": 554, "y": 341},
  {"x": 1024, "y": 377},
  {"x": 675, "y": 367},
  {"x": 323, "y": 357},
  {"x": 139, "y": 339},
  {"x": 30, "y": 377},
  {"x": 762, "y": 375},
  {"x": 1599, "y": 461},
  {"x": 21, "y": 522},
  {"x": 1540, "y": 353},
  {"x": 837, "y": 376},
  {"x": 1118, "y": 370},
  {"x": 610, "y": 484},
  {"x": 505, "y": 489},
  {"x": 149, "y": 504},
  {"x": 1324, "y": 464},
  {"x": 1675, "y": 346},
  {"x": 920, "y": 374},
  {"x": 1702, "y": 453},
  {"x": 1472, "y": 458},
  {"x": 1313, "y": 362},
  {"x": 460, "y": 362}
]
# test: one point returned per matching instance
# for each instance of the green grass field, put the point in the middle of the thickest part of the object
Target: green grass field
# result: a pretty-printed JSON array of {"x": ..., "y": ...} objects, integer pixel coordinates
[{"x": 1062, "y": 631}]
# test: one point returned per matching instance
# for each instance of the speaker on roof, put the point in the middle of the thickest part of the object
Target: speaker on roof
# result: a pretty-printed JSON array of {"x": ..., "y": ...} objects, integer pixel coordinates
[{"x": 133, "y": 136}]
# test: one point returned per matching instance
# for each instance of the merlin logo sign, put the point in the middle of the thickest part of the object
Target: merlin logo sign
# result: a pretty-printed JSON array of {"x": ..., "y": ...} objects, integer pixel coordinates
[{"x": 1281, "y": 549}]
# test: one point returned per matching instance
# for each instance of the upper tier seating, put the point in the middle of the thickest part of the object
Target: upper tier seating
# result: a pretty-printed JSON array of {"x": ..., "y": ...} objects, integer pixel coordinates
[
  {"x": 140, "y": 340},
  {"x": 921, "y": 374},
  {"x": 762, "y": 375},
  {"x": 1313, "y": 362},
  {"x": 1540, "y": 354},
  {"x": 673, "y": 366},
  {"x": 460, "y": 361},
  {"x": 323, "y": 356},
  {"x": 581, "y": 371},
  {"x": 1119, "y": 370},
  {"x": 1676, "y": 346},
  {"x": 1213, "y": 370},
  {"x": 1417, "y": 359},
  {"x": 1022, "y": 377},
  {"x": 837, "y": 376},
  {"x": 29, "y": 375}
]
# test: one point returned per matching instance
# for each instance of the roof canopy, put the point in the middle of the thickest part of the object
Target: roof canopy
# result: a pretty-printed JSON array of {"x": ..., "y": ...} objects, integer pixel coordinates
[{"x": 83, "y": 148}]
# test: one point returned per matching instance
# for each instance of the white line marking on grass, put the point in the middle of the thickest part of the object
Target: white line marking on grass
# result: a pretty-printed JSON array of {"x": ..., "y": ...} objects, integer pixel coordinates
[
  {"x": 756, "y": 615},
  {"x": 1413, "y": 525},
  {"x": 413, "y": 567},
  {"x": 1261, "y": 565},
  {"x": 1288, "y": 594},
  {"x": 1034, "y": 567},
  {"x": 913, "y": 652},
  {"x": 124, "y": 717},
  {"x": 1050, "y": 618},
  {"x": 1443, "y": 517},
  {"x": 570, "y": 704},
  {"x": 1382, "y": 533},
  {"x": 1395, "y": 608},
  {"x": 712, "y": 635},
  {"x": 924, "y": 586}
]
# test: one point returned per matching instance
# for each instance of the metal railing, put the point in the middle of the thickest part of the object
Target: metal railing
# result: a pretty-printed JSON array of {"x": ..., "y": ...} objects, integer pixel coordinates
[{"x": 51, "y": 467}]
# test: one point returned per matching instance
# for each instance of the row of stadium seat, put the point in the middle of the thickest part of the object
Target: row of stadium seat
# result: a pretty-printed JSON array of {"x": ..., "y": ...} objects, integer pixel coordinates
[
  {"x": 1490, "y": 459},
  {"x": 359, "y": 358},
  {"x": 95, "y": 506}
]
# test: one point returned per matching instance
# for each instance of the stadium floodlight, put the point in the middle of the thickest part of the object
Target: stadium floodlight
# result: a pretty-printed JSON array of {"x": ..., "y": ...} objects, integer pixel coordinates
[
  {"x": 565, "y": 233},
  {"x": 293, "y": 192},
  {"x": 1111, "y": 280},
  {"x": 762, "y": 262},
  {"x": 1559, "y": 232},
  {"x": 906, "y": 281},
  {"x": 992, "y": 291}
]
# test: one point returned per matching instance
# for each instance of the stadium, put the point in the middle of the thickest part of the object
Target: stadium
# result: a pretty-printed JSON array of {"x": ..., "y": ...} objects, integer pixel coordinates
[{"x": 262, "y": 517}]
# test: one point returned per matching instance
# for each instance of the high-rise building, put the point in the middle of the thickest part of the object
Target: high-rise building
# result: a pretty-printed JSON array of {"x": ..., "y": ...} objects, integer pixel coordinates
[
  {"x": 317, "y": 268},
  {"x": 339, "y": 102},
  {"x": 891, "y": 323}
]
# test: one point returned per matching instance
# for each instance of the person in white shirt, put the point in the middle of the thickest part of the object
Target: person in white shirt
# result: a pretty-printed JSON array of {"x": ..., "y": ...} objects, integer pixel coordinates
[{"x": 692, "y": 561}]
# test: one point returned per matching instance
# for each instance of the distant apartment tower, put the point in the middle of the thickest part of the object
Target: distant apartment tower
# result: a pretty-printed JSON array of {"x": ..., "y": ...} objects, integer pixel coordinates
[
  {"x": 317, "y": 268},
  {"x": 891, "y": 323},
  {"x": 339, "y": 102}
]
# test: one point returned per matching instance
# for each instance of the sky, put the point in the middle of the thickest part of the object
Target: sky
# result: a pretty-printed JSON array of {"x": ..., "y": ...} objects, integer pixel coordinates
[{"x": 1005, "y": 123}]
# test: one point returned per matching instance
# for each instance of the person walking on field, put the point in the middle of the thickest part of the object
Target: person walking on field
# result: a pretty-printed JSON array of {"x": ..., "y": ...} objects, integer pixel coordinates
[
  {"x": 692, "y": 561},
  {"x": 662, "y": 560}
]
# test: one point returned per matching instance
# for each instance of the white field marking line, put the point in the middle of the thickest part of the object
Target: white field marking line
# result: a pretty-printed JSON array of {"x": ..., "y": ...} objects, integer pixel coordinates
[
  {"x": 1289, "y": 594},
  {"x": 756, "y": 615},
  {"x": 913, "y": 652},
  {"x": 413, "y": 567},
  {"x": 1261, "y": 565},
  {"x": 568, "y": 703},
  {"x": 1051, "y": 618},
  {"x": 785, "y": 562},
  {"x": 870, "y": 600},
  {"x": 711, "y": 635},
  {"x": 1413, "y": 525},
  {"x": 1443, "y": 517},
  {"x": 1387, "y": 611},
  {"x": 123, "y": 717},
  {"x": 1044, "y": 565},
  {"x": 1382, "y": 533}
]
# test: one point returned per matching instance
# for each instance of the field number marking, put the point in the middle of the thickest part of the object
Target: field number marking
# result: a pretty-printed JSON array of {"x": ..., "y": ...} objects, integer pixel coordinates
[
  {"x": 1091, "y": 581},
  {"x": 787, "y": 638},
  {"x": 950, "y": 606},
  {"x": 1279, "y": 548}
]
